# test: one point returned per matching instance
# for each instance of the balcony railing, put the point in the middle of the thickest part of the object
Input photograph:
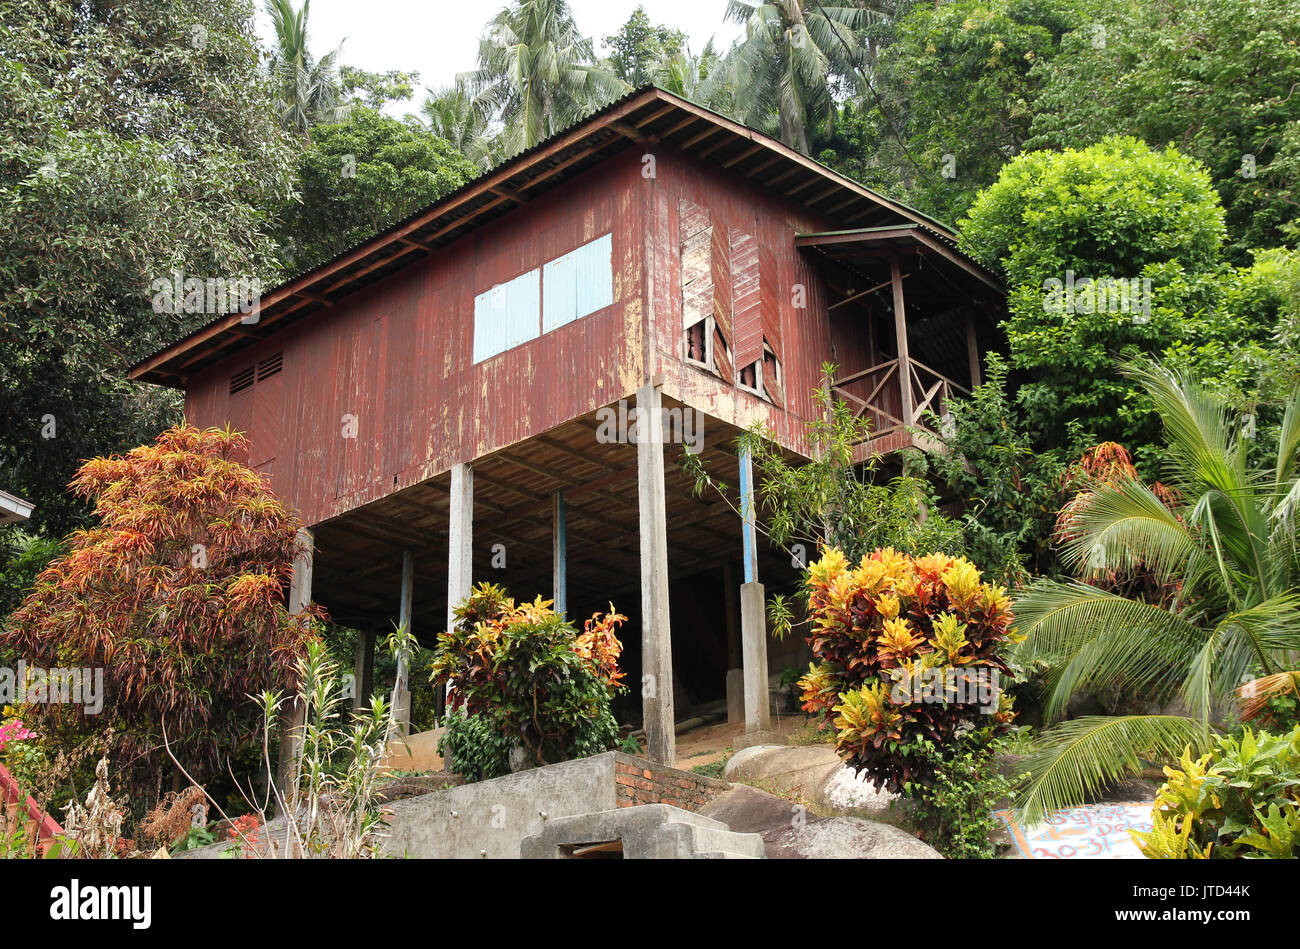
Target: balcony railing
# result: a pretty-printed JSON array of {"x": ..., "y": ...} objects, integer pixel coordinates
[{"x": 876, "y": 396}]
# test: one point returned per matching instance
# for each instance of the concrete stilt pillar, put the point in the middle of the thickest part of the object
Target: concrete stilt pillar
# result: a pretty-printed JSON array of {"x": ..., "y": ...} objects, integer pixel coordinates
[
  {"x": 460, "y": 540},
  {"x": 460, "y": 544},
  {"x": 656, "y": 634},
  {"x": 753, "y": 625},
  {"x": 363, "y": 672},
  {"x": 402, "y": 685},
  {"x": 293, "y": 712},
  {"x": 559, "y": 557}
]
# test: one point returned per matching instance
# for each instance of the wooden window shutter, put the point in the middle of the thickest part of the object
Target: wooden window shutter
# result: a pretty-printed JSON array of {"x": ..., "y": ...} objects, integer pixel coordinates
[{"x": 746, "y": 297}]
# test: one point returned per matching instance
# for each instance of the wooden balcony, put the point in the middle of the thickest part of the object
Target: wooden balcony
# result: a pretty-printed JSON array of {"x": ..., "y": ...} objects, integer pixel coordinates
[{"x": 896, "y": 415}]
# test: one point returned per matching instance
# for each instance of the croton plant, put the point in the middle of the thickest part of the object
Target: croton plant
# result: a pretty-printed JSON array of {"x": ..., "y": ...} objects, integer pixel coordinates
[
  {"x": 882, "y": 628},
  {"x": 530, "y": 676}
]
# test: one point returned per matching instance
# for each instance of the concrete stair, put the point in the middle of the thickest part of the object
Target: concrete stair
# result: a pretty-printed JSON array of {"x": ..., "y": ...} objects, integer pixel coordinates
[
  {"x": 705, "y": 838},
  {"x": 647, "y": 831}
]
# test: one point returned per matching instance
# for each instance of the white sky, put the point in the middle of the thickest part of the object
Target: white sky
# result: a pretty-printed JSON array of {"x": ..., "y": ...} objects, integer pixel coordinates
[{"x": 439, "y": 38}]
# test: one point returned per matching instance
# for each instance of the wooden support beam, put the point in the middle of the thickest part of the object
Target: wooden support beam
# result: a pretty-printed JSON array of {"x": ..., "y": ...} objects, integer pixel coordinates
[
  {"x": 972, "y": 351},
  {"x": 900, "y": 334},
  {"x": 363, "y": 673},
  {"x": 734, "y": 159}
]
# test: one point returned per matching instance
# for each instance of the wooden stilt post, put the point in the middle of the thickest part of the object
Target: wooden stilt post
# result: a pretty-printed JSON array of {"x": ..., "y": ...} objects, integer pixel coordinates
[
  {"x": 363, "y": 673},
  {"x": 972, "y": 351},
  {"x": 900, "y": 335},
  {"x": 656, "y": 634}
]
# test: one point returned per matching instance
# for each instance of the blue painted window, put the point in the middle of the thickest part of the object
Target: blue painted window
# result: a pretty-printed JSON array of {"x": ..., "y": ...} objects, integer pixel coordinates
[
  {"x": 507, "y": 315},
  {"x": 563, "y": 290},
  {"x": 579, "y": 283}
]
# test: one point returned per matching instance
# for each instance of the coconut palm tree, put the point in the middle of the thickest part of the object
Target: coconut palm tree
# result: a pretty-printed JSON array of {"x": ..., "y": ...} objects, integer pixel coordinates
[
  {"x": 793, "y": 53},
  {"x": 702, "y": 78},
  {"x": 307, "y": 89},
  {"x": 450, "y": 114},
  {"x": 1222, "y": 538},
  {"x": 537, "y": 73}
]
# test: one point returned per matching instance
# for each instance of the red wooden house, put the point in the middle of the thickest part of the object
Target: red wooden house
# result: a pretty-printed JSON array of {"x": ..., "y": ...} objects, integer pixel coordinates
[{"x": 442, "y": 403}]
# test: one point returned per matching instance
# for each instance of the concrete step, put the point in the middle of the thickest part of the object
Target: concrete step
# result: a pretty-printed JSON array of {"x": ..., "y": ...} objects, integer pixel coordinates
[
  {"x": 706, "y": 835},
  {"x": 724, "y": 855}
]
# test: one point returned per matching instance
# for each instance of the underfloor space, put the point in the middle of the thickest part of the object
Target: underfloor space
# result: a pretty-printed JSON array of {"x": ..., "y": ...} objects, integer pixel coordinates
[
  {"x": 570, "y": 497},
  {"x": 710, "y": 744}
]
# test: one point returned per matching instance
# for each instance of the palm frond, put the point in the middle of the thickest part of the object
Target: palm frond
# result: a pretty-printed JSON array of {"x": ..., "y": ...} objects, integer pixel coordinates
[
  {"x": 1126, "y": 526},
  {"x": 1077, "y": 760},
  {"x": 1058, "y": 619}
]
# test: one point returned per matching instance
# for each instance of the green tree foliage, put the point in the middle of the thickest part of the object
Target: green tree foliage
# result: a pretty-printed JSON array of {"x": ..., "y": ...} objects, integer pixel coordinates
[
  {"x": 22, "y": 558},
  {"x": 1114, "y": 210},
  {"x": 960, "y": 82},
  {"x": 1007, "y": 480},
  {"x": 308, "y": 89},
  {"x": 375, "y": 90},
  {"x": 641, "y": 46},
  {"x": 358, "y": 177},
  {"x": 136, "y": 138},
  {"x": 831, "y": 500},
  {"x": 537, "y": 73},
  {"x": 1224, "y": 541},
  {"x": 1216, "y": 78},
  {"x": 451, "y": 114}
]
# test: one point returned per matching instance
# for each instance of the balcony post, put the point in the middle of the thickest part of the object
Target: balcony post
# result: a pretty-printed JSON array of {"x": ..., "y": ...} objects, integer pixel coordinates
[
  {"x": 972, "y": 352},
  {"x": 900, "y": 335}
]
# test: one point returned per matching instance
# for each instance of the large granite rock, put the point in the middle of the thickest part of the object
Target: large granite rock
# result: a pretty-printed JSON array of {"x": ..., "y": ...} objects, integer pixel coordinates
[
  {"x": 789, "y": 832},
  {"x": 814, "y": 773}
]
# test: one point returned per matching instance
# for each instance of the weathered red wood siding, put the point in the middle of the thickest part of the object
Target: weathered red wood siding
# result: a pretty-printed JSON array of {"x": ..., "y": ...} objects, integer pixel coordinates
[
  {"x": 398, "y": 356},
  {"x": 801, "y": 336}
]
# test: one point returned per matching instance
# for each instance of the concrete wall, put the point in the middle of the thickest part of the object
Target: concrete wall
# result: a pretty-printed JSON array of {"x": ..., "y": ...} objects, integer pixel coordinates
[{"x": 491, "y": 818}]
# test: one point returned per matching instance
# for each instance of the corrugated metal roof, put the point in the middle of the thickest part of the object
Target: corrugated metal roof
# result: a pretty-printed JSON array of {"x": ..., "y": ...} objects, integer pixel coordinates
[{"x": 647, "y": 115}]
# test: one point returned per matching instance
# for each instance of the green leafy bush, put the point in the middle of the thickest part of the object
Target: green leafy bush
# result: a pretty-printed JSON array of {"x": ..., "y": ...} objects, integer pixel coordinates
[
  {"x": 525, "y": 678},
  {"x": 475, "y": 747},
  {"x": 1115, "y": 210},
  {"x": 1242, "y": 799},
  {"x": 954, "y": 812},
  {"x": 907, "y": 651}
]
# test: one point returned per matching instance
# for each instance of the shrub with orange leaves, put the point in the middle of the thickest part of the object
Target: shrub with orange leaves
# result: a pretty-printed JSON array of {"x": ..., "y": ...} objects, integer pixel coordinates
[
  {"x": 1105, "y": 467},
  {"x": 178, "y": 595},
  {"x": 530, "y": 679},
  {"x": 906, "y": 649}
]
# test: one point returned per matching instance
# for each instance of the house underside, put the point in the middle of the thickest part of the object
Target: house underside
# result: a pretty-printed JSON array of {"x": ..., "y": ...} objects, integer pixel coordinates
[{"x": 557, "y": 516}]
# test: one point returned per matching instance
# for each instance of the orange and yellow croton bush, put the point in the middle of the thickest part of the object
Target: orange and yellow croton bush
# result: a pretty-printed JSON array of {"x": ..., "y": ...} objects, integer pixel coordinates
[{"x": 881, "y": 628}]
